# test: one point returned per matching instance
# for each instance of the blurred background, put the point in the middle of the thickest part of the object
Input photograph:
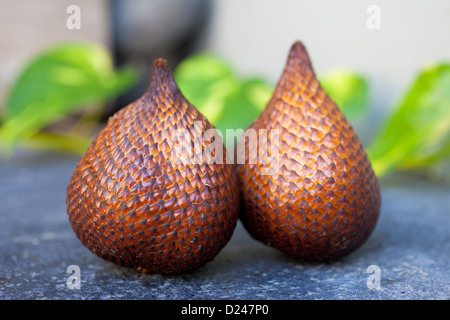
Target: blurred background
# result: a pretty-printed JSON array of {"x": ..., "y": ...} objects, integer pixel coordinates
[{"x": 384, "y": 62}]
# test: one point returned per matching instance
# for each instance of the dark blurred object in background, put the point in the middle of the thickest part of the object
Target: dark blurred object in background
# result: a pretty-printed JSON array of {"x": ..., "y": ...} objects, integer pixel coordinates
[{"x": 145, "y": 30}]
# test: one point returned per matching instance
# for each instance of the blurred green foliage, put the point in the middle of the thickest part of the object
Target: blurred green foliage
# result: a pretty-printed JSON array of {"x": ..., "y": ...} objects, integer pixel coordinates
[
  {"x": 225, "y": 99},
  {"x": 349, "y": 89},
  {"x": 56, "y": 83},
  {"x": 417, "y": 132},
  {"x": 68, "y": 78}
]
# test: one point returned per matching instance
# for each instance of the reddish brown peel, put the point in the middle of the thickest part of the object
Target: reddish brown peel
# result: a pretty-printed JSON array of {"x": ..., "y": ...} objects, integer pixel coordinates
[
  {"x": 322, "y": 201},
  {"x": 129, "y": 202}
]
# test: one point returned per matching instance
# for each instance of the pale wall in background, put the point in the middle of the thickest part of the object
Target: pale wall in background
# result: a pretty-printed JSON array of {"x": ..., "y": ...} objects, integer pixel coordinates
[
  {"x": 255, "y": 36},
  {"x": 28, "y": 26}
]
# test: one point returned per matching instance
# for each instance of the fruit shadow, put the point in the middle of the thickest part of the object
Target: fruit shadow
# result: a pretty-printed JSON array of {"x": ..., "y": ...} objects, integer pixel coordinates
[
  {"x": 245, "y": 253},
  {"x": 244, "y": 256}
]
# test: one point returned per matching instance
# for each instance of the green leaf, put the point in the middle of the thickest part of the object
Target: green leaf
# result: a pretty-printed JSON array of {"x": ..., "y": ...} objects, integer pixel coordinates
[
  {"x": 242, "y": 107},
  {"x": 348, "y": 89},
  {"x": 206, "y": 81},
  {"x": 58, "y": 82},
  {"x": 226, "y": 100},
  {"x": 417, "y": 132}
]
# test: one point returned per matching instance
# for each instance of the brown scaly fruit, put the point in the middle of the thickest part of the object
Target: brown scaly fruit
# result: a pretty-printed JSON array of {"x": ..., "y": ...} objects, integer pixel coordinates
[
  {"x": 323, "y": 200},
  {"x": 131, "y": 203}
]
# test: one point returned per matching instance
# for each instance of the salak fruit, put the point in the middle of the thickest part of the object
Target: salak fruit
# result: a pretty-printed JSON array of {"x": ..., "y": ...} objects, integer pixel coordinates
[
  {"x": 151, "y": 192},
  {"x": 312, "y": 194}
]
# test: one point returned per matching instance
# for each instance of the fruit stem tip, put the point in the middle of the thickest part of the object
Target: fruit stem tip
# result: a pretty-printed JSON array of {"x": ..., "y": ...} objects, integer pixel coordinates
[
  {"x": 298, "y": 60},
  {"x": 160, "y": 72},
  {"x": 160, "y": 63},
  {"x": 161, "y": 78}
]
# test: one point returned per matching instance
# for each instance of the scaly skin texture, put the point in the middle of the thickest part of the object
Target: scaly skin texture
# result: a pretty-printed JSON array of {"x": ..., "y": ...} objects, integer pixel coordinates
[
  {"x": 323, "y": 200},
  {"x": 131, "y": 203}
]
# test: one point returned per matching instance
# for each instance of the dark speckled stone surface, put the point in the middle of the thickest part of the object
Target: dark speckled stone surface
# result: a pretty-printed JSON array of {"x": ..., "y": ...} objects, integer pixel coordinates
[{"x": 410, "y": 245}]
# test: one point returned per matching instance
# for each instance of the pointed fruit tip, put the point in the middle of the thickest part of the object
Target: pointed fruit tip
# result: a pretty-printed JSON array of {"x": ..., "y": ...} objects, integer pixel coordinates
[
  {"x": 160, "y": 63},
  {"x": 298, "y": 55},
  {"x": 161, "y": 76},
  {"x": 298, "y": 47},
  {"x": 160, "y": 66}
]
